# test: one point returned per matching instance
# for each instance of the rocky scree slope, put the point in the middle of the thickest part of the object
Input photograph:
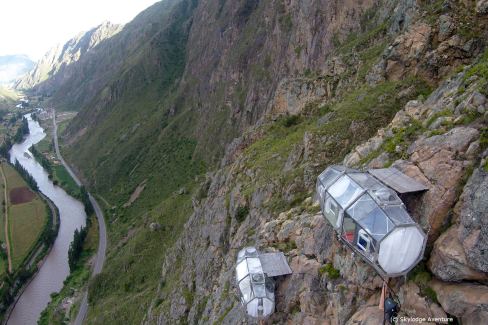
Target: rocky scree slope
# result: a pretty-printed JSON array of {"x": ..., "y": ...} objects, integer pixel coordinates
[{"x": 263, "y": 193}]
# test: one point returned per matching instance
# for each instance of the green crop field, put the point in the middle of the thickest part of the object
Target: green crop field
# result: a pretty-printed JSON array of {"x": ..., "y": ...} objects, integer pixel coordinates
[
  {"x": 13, "y": 178},
  {"x": 26, "y": 220},
  {"x": 45, "y": 144}
]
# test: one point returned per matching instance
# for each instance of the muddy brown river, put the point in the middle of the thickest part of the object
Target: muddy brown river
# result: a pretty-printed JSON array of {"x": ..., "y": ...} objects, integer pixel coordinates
[{"x": 55, "y": 268}]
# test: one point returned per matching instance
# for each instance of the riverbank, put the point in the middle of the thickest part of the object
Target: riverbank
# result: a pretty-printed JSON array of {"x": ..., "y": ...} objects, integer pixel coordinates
[
  {"x": 70, "y": 304},
  {"x": 55, "y": 268},
  {"x": 37, "y": 257},
  {"x": 65, "y": 304},
  {"x": 30, "y": 235},
  {"x": 45, "y": 154}
]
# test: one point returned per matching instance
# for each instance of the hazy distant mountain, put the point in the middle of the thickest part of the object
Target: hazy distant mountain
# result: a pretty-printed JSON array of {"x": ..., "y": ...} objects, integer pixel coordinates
[
  {"x": 13, "y": 67},
  {"x": 55, "y": 63}
]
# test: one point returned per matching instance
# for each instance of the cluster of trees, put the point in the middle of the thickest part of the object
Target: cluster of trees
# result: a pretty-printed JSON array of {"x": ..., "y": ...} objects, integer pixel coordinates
[
  {"x": 5, "y": 148},
  {"x": 22, "y": 131},
  {"x": 49, "y": 233},
  {"x": 76, "y": 247},
  {"x": 2, "y": 114},
  {"x": 26, "y": 176},
  {"x": 42, "y": 160},
  {"x": 85, "y": 199},
  {"x": 15, "y": 118}
]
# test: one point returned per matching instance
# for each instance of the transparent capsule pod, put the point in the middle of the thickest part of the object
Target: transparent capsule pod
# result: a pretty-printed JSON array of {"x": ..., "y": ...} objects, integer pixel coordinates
[
  {"x": 256, "y": 288},
  {"x": 371, "y": 218}
]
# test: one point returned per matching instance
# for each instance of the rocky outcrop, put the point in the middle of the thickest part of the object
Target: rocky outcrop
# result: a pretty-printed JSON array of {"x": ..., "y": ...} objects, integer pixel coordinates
[
  {"x": 439, "y": 161},
  {"x": 407, "y": 50},
  {"x": 473, "y": 221},
  {"x": 440, "y": 158},
  {"x": 448, "y": 261},
  {"x": 367, "y": 315},
  {"x": 431, "y": 50},
  {"x": 414, "y": 304},
  {"x": 482, "y": 7},
  {"x": 293, "y": 95},
  {"x": 469, "y": 302}
]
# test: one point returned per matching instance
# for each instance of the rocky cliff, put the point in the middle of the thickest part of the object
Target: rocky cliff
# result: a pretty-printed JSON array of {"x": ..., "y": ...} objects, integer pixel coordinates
[
  {"x": 263, "y": 193},
  {"x": 206, "y": 130}
]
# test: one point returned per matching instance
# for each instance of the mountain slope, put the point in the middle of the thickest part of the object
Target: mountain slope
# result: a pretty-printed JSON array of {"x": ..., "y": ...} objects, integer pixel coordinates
[
  {"x": 265, "y": 94},
  {"x": 53, "y": 69}
]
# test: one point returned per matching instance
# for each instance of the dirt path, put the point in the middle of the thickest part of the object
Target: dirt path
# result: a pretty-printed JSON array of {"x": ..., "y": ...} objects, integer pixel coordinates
[{"x": 7, "y": 240}]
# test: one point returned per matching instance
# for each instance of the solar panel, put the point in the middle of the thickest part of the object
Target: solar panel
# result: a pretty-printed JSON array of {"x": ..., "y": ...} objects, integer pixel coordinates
[
  {"x": 397, "y": 180},
  {"x": 274, "y": 264}
]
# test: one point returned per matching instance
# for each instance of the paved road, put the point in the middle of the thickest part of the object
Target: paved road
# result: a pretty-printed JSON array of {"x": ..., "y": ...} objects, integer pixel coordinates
[{"x": 102, "y": 241}]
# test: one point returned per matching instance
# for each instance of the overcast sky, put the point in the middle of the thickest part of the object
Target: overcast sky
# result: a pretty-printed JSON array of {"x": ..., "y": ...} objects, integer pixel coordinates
[{"x": 32, "y": 27}]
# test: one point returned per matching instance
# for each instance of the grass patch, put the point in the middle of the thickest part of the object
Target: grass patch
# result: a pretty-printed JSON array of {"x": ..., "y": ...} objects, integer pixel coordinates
[
  {"x": 189, "y": 296},
  {"x": 434, "y": 117},
  {"x": 129, "y": 280},
  {"x": 402, "y": 137},
  {"x": 220, "y": 320},
  {"x": 62, "y": 178},
  {"x": 286, "y": 246},
  {"x": 241, "y": 213},
  {"x": 422, "y": 277},
  {"x": 480, "y": 69},
  {"x": 331, "y": 272},
  {"x": 290, "y": 121},
  {"x": 469, "y": 117},
  {"x": 358, "y": 42}
]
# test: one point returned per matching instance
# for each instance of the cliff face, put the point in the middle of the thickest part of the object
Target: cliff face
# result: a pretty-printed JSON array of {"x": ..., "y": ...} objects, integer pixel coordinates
[
  {"x": 266, "y": 94},
  {"x": 263, "y": 193}
]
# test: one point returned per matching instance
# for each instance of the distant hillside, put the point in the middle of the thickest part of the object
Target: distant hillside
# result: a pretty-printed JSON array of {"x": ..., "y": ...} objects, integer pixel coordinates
[
  {"x": 54, "y": 65},
  {"x": 8, "y": 97},
  {"x": 13, "y": 67}
]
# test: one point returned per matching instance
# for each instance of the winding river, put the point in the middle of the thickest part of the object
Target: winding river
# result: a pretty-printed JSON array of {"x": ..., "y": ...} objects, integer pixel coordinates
[{"x": 55, "y": 268}]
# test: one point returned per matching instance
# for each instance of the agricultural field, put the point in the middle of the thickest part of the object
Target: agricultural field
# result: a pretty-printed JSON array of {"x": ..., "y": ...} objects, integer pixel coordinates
[{"x": 27, "y": 216}]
